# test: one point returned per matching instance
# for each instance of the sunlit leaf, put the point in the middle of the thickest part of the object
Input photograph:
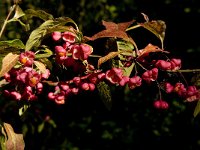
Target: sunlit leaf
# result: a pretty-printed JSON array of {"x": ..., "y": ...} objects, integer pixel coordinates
[
  {"x": 23, "y": 109},
  {"x": 12, "y": 140},
  {"x": 128, "y": 70},
  {"x": 197, "y": 109},
  {"x": 149, "y": 49},
  {"x": 107, "y": 57},
  {"x": 44, "y": 54},
  {"x": 40, "y": 66},
  {"x": 44, "y": 29},
  {"x": 124, "y": 45},
  {"x": 2, "y": 137},
  {"x": 3, "y": 82},
  {"x": 38, "y": 13},
  {"x": 47, "y": 62},
  {"x": 105, "y": 94},
  {"x": 127, "y": 50},
  {"x": 18, "y": 12},
  {"x": 8, "y": 62},
  {"x": 17, "y": 16},
  {"x": 15, "y": 46}
]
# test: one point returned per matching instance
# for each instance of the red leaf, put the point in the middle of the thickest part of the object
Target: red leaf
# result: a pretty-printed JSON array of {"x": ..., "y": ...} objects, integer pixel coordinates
[
  {"x": 148, "y": 49},
  {"x": 113, "y": 30}
]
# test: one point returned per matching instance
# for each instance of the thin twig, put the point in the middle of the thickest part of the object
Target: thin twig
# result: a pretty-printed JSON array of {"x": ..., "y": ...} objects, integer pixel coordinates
[
  {"x": 185, "y": 70},
  {"x": 6, "y": 21},
  {"x": 133, "y": 27}
]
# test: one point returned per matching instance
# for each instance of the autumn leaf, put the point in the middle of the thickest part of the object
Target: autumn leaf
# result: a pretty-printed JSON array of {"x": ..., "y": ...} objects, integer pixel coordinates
[
  {"x": 148, "y": 49},
  {"x": 157, "y": 27},
  {"x": 12, "y": 141},
  {"x": 107, "y": 57},
  {"x": 113, "y": 30},
  {"x": 8, "y": 62}
]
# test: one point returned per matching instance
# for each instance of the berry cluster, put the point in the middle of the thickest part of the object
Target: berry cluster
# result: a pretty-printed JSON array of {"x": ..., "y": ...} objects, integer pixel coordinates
[{"x": 27, "y": 80}]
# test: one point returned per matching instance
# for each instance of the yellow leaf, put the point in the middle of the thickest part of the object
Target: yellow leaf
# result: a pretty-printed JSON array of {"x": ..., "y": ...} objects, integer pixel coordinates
[
  {"x": 13, "y": 141},
  {"x": 8, "y": 62},
  {"x": 40, "y": 66}
]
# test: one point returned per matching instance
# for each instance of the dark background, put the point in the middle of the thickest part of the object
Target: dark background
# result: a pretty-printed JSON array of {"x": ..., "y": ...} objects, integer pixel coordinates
[{"x": 84, "y": 123}]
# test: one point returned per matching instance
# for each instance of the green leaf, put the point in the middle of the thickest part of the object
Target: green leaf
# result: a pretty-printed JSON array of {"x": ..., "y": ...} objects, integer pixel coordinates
[
  {"x": 16, "y": 43},
  {"x": 126, "y": 49},
  {"x": 18, "y": 12},
  {"x": 23, "y": 109},
  {"x": 47, "y": 62},
  {"x": 8, "y": 62},
  {"x": 197, "y": 109},
  {"x": 52, "y": 123},
  {"x": 14, "y": 46},
  {"x": 44, "y": 29},
  {"x": 26, "y": 26},
  {"x": 105, "y": 94},
  {"x": 12, "y": 141},
  {"x": 128, "y": 70},
  {"x": 38, "y": 13},
  {"x": 40, "y": 66},
  {"x": 44, "y": 54},
  {"x": 41, "y": 127},
  {"x": 18, "y": 15}
]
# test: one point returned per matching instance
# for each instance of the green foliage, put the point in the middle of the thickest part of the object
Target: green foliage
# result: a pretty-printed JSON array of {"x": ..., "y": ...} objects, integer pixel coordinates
[
  {"x": 15, "y": 46},
  {"x": 126, "y": 48},
  {"x": 105, "y": 95},
  {"x": 197, "y": 109},
  {"x": 38, "y": 14},
  {"x": 45, "y": 29}
]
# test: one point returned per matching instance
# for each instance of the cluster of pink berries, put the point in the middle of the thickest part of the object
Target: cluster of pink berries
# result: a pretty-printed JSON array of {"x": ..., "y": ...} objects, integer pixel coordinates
[
  {"x": 189, "y": 94},
  {"x": 25, "y": 81}
]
